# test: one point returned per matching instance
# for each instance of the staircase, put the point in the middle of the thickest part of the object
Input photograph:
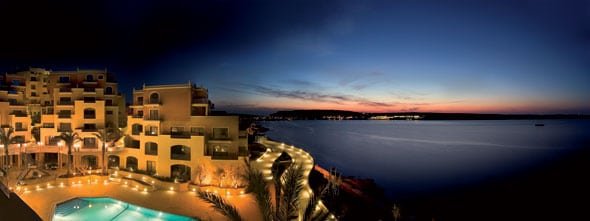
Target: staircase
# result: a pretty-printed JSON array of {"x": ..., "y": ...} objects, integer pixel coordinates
[{"x": 68, "y": 207}]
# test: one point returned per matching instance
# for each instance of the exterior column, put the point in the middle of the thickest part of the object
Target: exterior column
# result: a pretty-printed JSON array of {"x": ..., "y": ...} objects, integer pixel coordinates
[{"x": 20, "y": 159}]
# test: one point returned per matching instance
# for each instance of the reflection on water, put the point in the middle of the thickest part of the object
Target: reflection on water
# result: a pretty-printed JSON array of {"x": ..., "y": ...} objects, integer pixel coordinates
[{"x": 407, "y": 157}]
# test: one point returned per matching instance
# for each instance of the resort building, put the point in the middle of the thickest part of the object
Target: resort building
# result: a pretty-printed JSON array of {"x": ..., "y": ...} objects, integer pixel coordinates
[
  {"x": 168, "y": 130},
  {"x": 172, "y": 133},
  {"x": 40, "y": 104}
]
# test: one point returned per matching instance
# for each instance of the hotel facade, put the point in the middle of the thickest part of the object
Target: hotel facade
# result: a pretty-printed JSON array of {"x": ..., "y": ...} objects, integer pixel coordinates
[{"x": 168, "y": 130}]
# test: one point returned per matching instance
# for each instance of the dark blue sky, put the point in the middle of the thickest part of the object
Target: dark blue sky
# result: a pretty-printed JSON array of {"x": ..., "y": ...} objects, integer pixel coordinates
[{"x": 261, "y": 56}]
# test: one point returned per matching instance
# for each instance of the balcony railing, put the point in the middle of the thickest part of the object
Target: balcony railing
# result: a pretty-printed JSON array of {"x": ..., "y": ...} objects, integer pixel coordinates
[
  {"x": 65, "y": 90},
  {"x": 151, "y": 133},
  {"x": 64, "y": 115},
  {"x": 65, "y": 103},
  {"x": 224, "y": 156},
  {"x": 21, "y": 129},
  {"x": 200, "y": 101},
  {"x": 157, "y": 118},
  {"x": 90, "y": 146},
  {"x": 220, "y": 138},
  {"x": 184, "y": 135},
  {"x": 89, "y": 129},
  {"x": 19, "y": 114},
  {"x": 48, "y": 125}
]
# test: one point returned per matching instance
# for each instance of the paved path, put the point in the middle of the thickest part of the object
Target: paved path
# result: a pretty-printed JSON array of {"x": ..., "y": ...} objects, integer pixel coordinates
[
  {"x": 299, "y": 156},
  {"x": 44, "y": 199}
]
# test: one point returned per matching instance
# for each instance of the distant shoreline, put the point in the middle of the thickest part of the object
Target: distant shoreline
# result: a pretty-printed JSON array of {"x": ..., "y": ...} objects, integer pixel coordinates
[{"x": 350, "y": 115}]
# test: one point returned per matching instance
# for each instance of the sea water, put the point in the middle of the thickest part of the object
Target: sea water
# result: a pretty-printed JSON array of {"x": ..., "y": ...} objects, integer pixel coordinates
[{"x": 411, "y": 157}]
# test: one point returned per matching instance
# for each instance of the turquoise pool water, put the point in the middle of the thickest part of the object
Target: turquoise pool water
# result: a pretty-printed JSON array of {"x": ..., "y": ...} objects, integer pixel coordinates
[{"x": 104, "y": 208}]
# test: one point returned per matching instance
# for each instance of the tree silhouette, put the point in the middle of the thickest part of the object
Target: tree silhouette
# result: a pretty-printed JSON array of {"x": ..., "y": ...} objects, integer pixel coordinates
[{"x": 69, "y": 139}]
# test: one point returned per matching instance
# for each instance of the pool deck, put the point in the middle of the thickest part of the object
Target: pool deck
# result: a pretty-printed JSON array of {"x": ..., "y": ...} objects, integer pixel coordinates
[
  {"x": 43, "y": 200},
  {"x": 186, "y": 203}
]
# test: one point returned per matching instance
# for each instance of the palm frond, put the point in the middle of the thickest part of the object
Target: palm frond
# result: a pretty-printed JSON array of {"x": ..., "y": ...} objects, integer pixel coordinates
[
  {"x": 6, "y": 139},
  {"x": 292, "y": 187},
  {"x": 258, "y": 187},
  {"x": 221, "y": 205}
]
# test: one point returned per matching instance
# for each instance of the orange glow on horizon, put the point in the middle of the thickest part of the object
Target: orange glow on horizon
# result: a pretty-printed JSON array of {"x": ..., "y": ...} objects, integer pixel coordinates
[{"x": 516, "y": 106}]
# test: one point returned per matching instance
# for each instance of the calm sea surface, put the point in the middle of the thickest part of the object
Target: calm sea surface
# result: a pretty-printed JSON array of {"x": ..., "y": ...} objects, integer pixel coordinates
[{"x": 409, "y": 157}]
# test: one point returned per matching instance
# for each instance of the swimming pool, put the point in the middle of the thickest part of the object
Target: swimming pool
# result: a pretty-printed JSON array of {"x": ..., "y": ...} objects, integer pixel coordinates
[{"x": 104, "y": 208}]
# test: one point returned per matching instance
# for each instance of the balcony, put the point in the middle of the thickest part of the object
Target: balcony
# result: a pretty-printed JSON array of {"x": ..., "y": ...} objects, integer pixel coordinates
[
  {"x": 60, "y": 115},
  {"x": 137, "y": 116},
  {"x": 64, "y": 129},
  {"x": 66, "y": 103},
  {"x": 224, "y": 156},
  {"x": 47, "y": 112},
  {"x": 20, "y": 129},
  {"x": 154, "y": 118},
  {"x": 181, "y": 135},
  {"x": 220, "y": 138},
  {"x": 89, "y": 100},
  {"x": 88, "y": 129},
  {"x": 90, "y": 146},
  {"x": 89, "y": 89},
  {"x": 48, "y": 125},
  {"x": 65, "y": 90},
  {"x": 151, "y": 133},
  {"x": 200, "y": 101},
  {"x": 154, "y": 102},
  {"x": 19, "y": 114}
]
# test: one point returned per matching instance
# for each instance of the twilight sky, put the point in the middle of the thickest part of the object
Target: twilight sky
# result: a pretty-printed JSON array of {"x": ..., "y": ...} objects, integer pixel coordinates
[{"x": 503, "y": 56}]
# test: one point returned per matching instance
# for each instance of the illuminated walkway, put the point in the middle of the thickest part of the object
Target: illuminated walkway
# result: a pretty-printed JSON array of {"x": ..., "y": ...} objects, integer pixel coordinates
[
  {"x": 299, "y": 156},
  {"x": 43, "y": 198}
]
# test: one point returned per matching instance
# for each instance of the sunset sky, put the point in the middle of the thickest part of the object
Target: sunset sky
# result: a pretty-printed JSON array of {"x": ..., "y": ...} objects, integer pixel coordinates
[{"x": 504, "y": 56}]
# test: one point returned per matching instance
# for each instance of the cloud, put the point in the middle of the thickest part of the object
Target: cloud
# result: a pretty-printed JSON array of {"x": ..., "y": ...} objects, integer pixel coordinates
[
  {"x": 362, "y": 81},
  {"x": 411, "y": 109},
  {"x": 302, "y": 95},
  {"x": 301, "y": 83},
  {"x": 375, "y": 104},
  {"x": 318, "y": 96}
]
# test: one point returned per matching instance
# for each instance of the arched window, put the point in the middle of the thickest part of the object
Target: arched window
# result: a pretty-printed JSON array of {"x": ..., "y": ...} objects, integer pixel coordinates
[
  {"x": 89, "y": 77},
  {"x": 113, "y": 161},
  {"x": 180, "y": 152},
  {"x": 154, "y": 98},
  {"x": 136, "y": 129},
  {"x": 151, "y": 148},
  {"x": 89, "y": 162},
  {"x": 108, "y": 90},
  {"x": 89, "y": 113},
  {"x": 180, "y": 172},
  {"x": 131, "y": 163}
]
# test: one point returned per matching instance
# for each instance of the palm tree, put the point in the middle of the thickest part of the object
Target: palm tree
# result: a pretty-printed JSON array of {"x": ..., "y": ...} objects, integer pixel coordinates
[
  {"x": 286, "y": 208},
  {"x": 107, "y": 135},
  {"x": 6, "y": 139},
  {"x": 102, "y": 135},
  {"x": 69, "y": 138},
  {"x": 221, "y": 206}
]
